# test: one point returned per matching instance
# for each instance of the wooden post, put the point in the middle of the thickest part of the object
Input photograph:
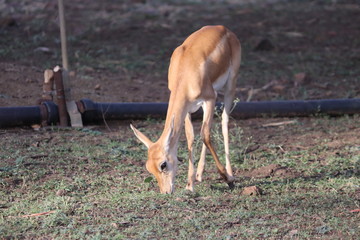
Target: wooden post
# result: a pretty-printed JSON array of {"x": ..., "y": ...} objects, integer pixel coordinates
[
  {"x": 65, "y": 62},
  {"x": 48, "y": 86},
  {"x": 60, "y": 97},
  {"x": 75, "y": 116}
]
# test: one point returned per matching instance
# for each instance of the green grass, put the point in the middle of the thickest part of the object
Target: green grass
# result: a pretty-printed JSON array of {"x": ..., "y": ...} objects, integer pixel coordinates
[
  {"x": 97, "y": 186},
  {"x": 94, "y": 180}
]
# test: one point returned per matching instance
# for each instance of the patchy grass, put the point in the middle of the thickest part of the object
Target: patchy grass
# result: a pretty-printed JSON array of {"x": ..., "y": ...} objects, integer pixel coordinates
[
  {"x": 92, "y": 183},
  {"x": 96, "y": 184}
]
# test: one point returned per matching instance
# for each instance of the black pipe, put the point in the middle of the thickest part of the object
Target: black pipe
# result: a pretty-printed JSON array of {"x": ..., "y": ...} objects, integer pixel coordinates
[
  {"x": 298, "y": 108},
  {"x": 93, "y": 112},
  {"x": 47, "y": 112},
  {"x": 50, "y": 114},
  {"x": 15, "y": 116}
]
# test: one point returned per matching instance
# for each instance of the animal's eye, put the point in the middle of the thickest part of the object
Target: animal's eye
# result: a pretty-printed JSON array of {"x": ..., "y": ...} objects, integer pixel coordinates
[{"x": 163, "y": 166}]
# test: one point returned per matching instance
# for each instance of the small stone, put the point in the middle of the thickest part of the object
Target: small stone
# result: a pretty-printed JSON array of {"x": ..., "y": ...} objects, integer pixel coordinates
[
  {"x": 115, "y": 225},
  {"x": 252, "y": 191},
  {"x": 36, "y": 127},
  {"x": 72, "y": 73},
  {"x": 61, "y": 192},
  {"x": 279, "y": 88},
  {"x": 264, "y": 45},
  {"x": 8, "y": 22}
]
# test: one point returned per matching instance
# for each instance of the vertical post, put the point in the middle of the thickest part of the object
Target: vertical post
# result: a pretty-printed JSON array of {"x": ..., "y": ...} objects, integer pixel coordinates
[
  {"x": 65, "y": 62},
  {"x": 60, "y": 97},
  {"x": 71, "y": 107},
  {"x": 48, "y": 85}
]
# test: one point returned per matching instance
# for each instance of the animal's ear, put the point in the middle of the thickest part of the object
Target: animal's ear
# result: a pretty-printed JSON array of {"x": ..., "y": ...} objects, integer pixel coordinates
[
  {"x": 169, "y": 135},
  {"x": 145, "y": 140}
]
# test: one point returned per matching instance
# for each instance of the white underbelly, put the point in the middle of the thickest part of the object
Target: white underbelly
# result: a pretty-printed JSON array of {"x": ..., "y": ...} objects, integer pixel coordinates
[
  {"x": 196, "y": 105},
  {"x": 220, "y": 83}
]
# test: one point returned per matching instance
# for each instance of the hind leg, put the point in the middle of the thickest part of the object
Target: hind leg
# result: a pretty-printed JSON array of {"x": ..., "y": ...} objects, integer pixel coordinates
[
  {"x": 201, "y": 164},
  {"x": 205, "y": 134},
  {"x": 225, "y": 131}
]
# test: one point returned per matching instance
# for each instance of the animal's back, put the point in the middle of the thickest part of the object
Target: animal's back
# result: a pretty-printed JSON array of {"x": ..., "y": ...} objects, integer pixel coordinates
[{"x": 199, "y": 51}]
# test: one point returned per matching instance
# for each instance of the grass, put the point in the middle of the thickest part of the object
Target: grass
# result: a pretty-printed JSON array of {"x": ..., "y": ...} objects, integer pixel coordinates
[
  {"x": 94, "y": 180},
  {"x": 96, "y": 184}
]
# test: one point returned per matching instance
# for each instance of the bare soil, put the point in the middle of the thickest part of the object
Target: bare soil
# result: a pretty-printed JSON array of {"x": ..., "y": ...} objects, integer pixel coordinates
[{"x": 119, "y": 52}]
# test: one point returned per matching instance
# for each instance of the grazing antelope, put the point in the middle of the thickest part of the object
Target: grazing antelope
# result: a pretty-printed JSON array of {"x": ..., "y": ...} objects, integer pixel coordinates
[{"x": 204, "y": 65}]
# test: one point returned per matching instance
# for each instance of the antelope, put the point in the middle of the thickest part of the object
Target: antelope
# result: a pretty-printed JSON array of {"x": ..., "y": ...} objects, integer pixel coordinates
[{"x": 205, "y": 64}]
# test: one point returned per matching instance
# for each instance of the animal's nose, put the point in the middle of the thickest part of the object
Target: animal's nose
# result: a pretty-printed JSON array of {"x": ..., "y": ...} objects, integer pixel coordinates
[{"x": 167, "y": 191}]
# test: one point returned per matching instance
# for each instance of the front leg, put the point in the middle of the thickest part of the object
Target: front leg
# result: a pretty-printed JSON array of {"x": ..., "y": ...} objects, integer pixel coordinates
[{"x": 189, "y": 131}]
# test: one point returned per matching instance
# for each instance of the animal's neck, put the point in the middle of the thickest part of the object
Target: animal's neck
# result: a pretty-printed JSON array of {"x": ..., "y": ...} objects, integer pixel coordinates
[{"x": 177, "y": 110}]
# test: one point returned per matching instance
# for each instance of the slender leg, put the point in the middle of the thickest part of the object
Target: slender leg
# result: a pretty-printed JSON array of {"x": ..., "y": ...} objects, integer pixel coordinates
[
  {"x": 208, "y": 108},
  {"x": 228, "y": 98},
  {"x": 189, "y": 131},
  {"x": 201, "y": 164}
]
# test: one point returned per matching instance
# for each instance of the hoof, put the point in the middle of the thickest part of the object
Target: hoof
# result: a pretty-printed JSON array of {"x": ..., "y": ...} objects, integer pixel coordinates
[
  {"x": 231, "y": 185},
  {"x": 190, "y": 187}
]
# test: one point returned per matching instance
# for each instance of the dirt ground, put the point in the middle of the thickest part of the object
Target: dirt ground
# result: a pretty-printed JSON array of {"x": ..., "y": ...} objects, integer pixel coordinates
[{"x": 119, "y": 52}]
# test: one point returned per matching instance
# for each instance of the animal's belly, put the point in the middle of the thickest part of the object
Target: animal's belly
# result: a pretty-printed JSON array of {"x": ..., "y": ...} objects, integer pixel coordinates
[
  {"x": 196, "y": 105},
  {"x": 221, "y": 81}
]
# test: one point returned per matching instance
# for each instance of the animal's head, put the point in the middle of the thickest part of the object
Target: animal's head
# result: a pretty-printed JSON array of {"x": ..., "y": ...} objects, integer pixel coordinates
[{"x": 161, "y": 162}]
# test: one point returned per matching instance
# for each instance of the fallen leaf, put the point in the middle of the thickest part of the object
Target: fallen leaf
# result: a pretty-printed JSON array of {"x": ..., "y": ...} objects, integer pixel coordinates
[
  {"x": 43, "y": 50},
  {"x": 294, "y": 34},
  {"x": 148, "y": 180},
  {"x": 97, "y": 87},
  {"x": 301, "y": 79},
  {"x": 355, "y": 210}
]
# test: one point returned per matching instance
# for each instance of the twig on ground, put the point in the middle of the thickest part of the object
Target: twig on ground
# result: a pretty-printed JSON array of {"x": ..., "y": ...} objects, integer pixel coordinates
[
  {"x": 38, "y": 214},
  {"x": 276, "y": 124},
  {"x": 252, "y": 91}
]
